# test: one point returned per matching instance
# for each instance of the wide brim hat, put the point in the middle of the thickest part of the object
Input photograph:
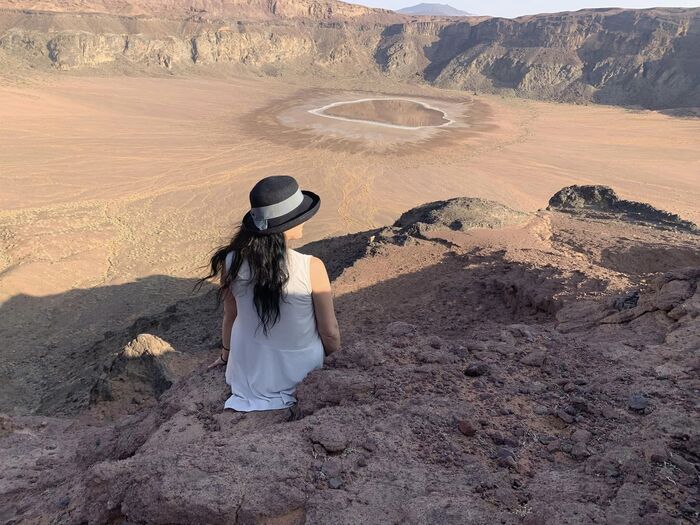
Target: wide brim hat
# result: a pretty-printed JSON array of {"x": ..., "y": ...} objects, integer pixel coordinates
[{"x": 277, "y": 204}]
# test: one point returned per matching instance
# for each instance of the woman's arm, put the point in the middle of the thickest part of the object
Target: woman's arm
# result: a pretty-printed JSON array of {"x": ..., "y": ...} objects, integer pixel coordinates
[
  {"x": 230, "y": 312},
  {"x": 322, "y": 297}
]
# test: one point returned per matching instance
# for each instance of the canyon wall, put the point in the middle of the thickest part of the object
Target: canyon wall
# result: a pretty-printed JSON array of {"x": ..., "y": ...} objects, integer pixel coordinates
[{"x": 648, "y": 58}]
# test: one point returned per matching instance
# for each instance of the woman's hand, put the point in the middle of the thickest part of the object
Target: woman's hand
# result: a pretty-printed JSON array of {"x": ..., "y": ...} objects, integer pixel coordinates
[{"x": 220, "y": 360}]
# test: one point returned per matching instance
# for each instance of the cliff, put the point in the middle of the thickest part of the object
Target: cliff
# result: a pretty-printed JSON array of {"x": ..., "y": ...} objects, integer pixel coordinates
[
  {"x": 629, "y": 57},
  {"x": 200, "y": 9}
]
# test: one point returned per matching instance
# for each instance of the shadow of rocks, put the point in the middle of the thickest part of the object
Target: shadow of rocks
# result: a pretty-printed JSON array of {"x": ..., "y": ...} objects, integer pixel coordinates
[
  {"x": 339, "y": 253},
  {"x": 452, "y": 40},
  {"x": 389, "y": 36},
  {"x": 399, "y": 405},
  {"x": 648, "y": 258},
  {"x": 455, "y": 295},
  {"x": 54, "y": 347},
  {"x": 686, "y": 113},
  {"x": 602, "y": 202}
]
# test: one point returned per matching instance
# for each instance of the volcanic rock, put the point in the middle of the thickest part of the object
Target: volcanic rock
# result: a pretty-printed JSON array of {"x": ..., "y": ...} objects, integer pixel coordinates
[
  {"x": 332, "y": 439},
  {"x": 506, "y": 457},
  {"x": 638, "y": 402},
  {"x": 565, "y": 416},
  {"x": 534, "y": 359},
  {"x": 335, "y": 483},
  {"x": 466, "y": 427},
  {"x": 476, "y": 369},
  {"x": 683, "y": 464},
  {"x": 457, "y": 214},
  {"x": 581, "y": 436},
  {"x": 143, "y": 363},
  {"x": 146, "y": 345},
  {"x": 602, "y": 201},
  {"x": 579, "y": 450},
  {"x": 399, "y": 328}
]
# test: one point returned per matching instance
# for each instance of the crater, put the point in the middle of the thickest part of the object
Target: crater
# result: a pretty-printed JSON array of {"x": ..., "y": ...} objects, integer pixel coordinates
[{"x": 391, "y": 112}]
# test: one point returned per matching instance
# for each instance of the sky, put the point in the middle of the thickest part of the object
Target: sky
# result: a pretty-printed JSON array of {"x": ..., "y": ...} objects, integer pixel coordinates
[{"x": 513, "y": 8}]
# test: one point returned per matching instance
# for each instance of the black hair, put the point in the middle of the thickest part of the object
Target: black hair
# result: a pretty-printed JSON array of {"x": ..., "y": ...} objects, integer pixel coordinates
[{"x": 267, "y": 258}]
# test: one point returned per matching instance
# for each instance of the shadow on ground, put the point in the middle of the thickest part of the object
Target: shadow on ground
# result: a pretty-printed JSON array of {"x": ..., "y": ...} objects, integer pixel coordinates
[{"x": 54, "y": 346}]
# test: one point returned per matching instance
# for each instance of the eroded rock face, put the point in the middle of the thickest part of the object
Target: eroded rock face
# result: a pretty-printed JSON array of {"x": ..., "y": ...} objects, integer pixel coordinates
[
  {"x": 630, "y": 57},
  {"x": 201, "y": 9},
  {"x": 146, "y": 345},
  {"x": 140, "y": 368},
  {"x": 602, "y": 201}
]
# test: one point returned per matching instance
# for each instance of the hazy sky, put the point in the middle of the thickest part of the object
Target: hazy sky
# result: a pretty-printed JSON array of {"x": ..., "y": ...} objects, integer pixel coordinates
[{"x": 512, "y": 8}]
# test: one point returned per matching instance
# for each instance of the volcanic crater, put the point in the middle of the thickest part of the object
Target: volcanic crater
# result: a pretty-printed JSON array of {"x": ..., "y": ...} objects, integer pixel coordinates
[{"x": 392, "y": 112}]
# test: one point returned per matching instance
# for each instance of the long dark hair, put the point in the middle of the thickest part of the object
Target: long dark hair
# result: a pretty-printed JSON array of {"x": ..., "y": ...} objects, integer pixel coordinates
[{"x": 267, "y": 259}]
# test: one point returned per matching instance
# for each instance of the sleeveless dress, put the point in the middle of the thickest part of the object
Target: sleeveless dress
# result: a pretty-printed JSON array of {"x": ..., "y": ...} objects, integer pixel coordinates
[{"x": 264, "y": 370}]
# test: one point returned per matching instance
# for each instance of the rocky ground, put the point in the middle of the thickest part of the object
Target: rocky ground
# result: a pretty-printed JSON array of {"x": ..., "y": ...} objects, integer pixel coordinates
[{"x": 497, "y": 367}]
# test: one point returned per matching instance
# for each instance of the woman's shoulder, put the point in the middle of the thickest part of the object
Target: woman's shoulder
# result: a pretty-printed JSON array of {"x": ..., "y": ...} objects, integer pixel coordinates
[
  {"x": 309, "y": 259},
  {"x": 294, "y": 254}
]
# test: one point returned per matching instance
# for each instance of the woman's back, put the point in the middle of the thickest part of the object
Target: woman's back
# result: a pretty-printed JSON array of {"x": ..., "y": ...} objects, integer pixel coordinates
[{"x": 264, "y": 368}]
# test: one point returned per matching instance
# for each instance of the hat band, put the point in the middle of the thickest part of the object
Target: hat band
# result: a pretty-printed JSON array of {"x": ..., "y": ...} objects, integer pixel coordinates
[{"x": 261, "y": 215}]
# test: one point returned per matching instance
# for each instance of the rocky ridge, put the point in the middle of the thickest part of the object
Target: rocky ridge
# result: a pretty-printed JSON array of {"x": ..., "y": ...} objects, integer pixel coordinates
[
  {"x": 630, "y": 57},
  {"x": 515, "y": 374},
  {"x": 428, "y": 9},
  {"x": 200, "y": 10},
  {"x": 601, "y": 201}
]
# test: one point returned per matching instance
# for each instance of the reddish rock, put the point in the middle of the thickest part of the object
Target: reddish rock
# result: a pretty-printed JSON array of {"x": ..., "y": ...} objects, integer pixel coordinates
[
  {"x": 534, "y": 359},
  {"x": 467, "y": 427},
  {"x": 399, "y": 328}
]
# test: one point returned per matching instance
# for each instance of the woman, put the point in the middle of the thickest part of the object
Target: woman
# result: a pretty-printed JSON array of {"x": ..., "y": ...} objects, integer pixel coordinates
[{"x": 278, "y": 308}]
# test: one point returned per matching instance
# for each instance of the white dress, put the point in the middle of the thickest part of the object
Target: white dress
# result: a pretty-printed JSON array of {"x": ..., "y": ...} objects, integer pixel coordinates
[{"x": 264, "y": 370}]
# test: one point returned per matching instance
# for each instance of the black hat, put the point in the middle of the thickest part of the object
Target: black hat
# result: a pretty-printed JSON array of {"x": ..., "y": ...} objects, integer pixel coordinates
[{"x": 277, "y": 204}]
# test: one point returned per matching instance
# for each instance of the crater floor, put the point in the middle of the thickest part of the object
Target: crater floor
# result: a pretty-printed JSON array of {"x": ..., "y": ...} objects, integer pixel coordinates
[{"x": 392, "y": 112}]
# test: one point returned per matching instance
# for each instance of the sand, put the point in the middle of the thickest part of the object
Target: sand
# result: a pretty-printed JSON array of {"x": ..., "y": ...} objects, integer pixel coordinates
[{"x": 106, "y": 181}]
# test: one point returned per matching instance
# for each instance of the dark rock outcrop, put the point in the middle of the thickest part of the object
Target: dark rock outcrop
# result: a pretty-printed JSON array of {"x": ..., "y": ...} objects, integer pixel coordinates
[
  {"x": 603, "y": 202},
  {"x": 142, "y": 364},
  {"x": 458, "y": 214}
]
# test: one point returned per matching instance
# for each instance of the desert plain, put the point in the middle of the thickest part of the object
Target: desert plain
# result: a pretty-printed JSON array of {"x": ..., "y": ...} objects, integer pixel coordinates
[{"x": 116, "y": 181}]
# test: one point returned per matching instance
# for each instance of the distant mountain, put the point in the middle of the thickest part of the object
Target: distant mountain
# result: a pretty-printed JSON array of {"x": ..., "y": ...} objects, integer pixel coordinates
[{"x": 432, "y": 10}]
